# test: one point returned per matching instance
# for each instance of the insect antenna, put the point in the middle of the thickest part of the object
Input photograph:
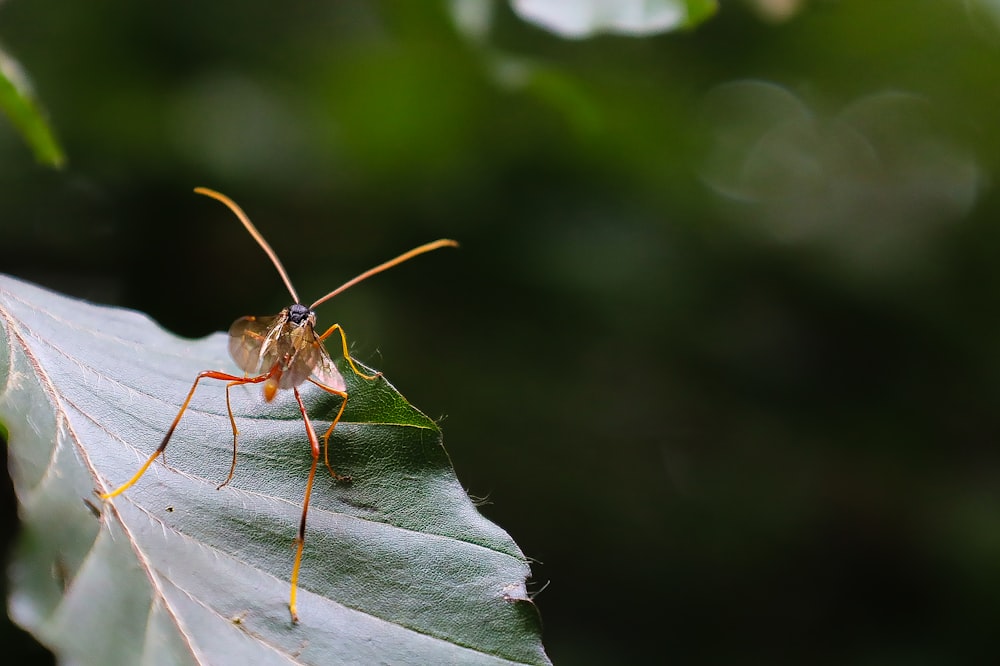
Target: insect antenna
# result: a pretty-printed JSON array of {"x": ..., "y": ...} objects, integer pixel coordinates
[
  {"x": 253, "y": 232},
  {"x": 426, "y": 247}
]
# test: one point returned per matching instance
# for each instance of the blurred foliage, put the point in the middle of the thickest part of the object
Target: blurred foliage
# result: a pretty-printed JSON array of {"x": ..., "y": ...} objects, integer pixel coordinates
[
  {"x": 729, "y": 290},
  {"x": 17, "y": 101},
  {"x": 585, "y": 18}
]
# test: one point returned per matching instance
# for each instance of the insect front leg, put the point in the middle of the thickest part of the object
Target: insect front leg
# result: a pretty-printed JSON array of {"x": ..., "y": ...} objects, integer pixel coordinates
[{"x": 347, "y": 354}]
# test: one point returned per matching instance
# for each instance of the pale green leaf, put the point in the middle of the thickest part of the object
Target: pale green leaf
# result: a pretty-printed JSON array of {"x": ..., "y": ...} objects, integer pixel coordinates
[{"x": 399, "y": 566}]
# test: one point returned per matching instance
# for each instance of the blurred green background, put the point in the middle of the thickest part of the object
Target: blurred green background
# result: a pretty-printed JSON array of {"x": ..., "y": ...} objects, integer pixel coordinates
[{"x": 721, "y": 347}]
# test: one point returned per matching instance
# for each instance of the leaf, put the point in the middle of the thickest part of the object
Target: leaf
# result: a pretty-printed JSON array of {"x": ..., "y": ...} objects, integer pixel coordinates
[
  {"x": 585, "y": 18},
  {"x": 18, "y": 101},
  {"x": 399, "y": 566}
]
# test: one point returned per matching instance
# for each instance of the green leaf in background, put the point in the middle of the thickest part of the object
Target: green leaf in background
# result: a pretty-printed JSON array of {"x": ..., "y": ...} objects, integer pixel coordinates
[
  {"x": 17, "y": 100},
  {"x": 585, "y": 18},
  {"x": 399, "y": 566}
]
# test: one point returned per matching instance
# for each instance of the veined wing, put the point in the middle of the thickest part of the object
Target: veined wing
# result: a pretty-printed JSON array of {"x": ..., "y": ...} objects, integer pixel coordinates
[
  {"x": 307, "y": 356},
  {"x": 258, "y": 343},
  {"x": 325, "y": 372},
  {"x": 254, "y": 341}
]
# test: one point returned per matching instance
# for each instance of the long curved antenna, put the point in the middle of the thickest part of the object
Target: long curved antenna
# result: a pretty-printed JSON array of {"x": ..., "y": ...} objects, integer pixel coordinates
[
  {"x": 427, "y": 247},
  {"x": 253, "y": 232}
]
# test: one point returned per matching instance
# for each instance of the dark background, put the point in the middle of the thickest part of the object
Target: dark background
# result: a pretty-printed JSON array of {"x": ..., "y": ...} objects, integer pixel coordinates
[{"x": 721, "y": 346}]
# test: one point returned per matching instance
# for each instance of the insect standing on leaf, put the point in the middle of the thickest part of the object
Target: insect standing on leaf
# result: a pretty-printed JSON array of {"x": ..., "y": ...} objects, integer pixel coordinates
[{"x": 283, "y": 352}]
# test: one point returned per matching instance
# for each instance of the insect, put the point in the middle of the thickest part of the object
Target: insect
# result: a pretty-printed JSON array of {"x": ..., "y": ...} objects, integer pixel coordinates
[{"x": 283, "y": 352}]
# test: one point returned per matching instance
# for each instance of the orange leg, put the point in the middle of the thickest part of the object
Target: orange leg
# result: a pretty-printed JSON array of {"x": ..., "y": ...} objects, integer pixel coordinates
[
  {"x": 329, "y": 431},
  {"x": 300, "y": 542},
  {"x": 210, "y": 374},
  {"x": 347, "y": 354},
  {"x": 232, "y": 421}
]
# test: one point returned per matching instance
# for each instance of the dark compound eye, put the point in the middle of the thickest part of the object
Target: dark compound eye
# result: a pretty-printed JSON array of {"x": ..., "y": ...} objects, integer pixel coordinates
[{"x": 298, "y": 313}]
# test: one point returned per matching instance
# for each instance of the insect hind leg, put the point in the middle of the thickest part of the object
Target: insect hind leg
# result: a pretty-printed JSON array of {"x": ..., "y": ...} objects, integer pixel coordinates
[{"x": 161, "y": 449}]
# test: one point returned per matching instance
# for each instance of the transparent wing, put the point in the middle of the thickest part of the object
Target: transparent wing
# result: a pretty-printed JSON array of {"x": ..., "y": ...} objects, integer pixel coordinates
[
  {"x": 258, "y": 343},
  {"x": 326, "y": 373},
  {"x": 307, "y": 356},
  {"x": 253, "y": 342}
]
